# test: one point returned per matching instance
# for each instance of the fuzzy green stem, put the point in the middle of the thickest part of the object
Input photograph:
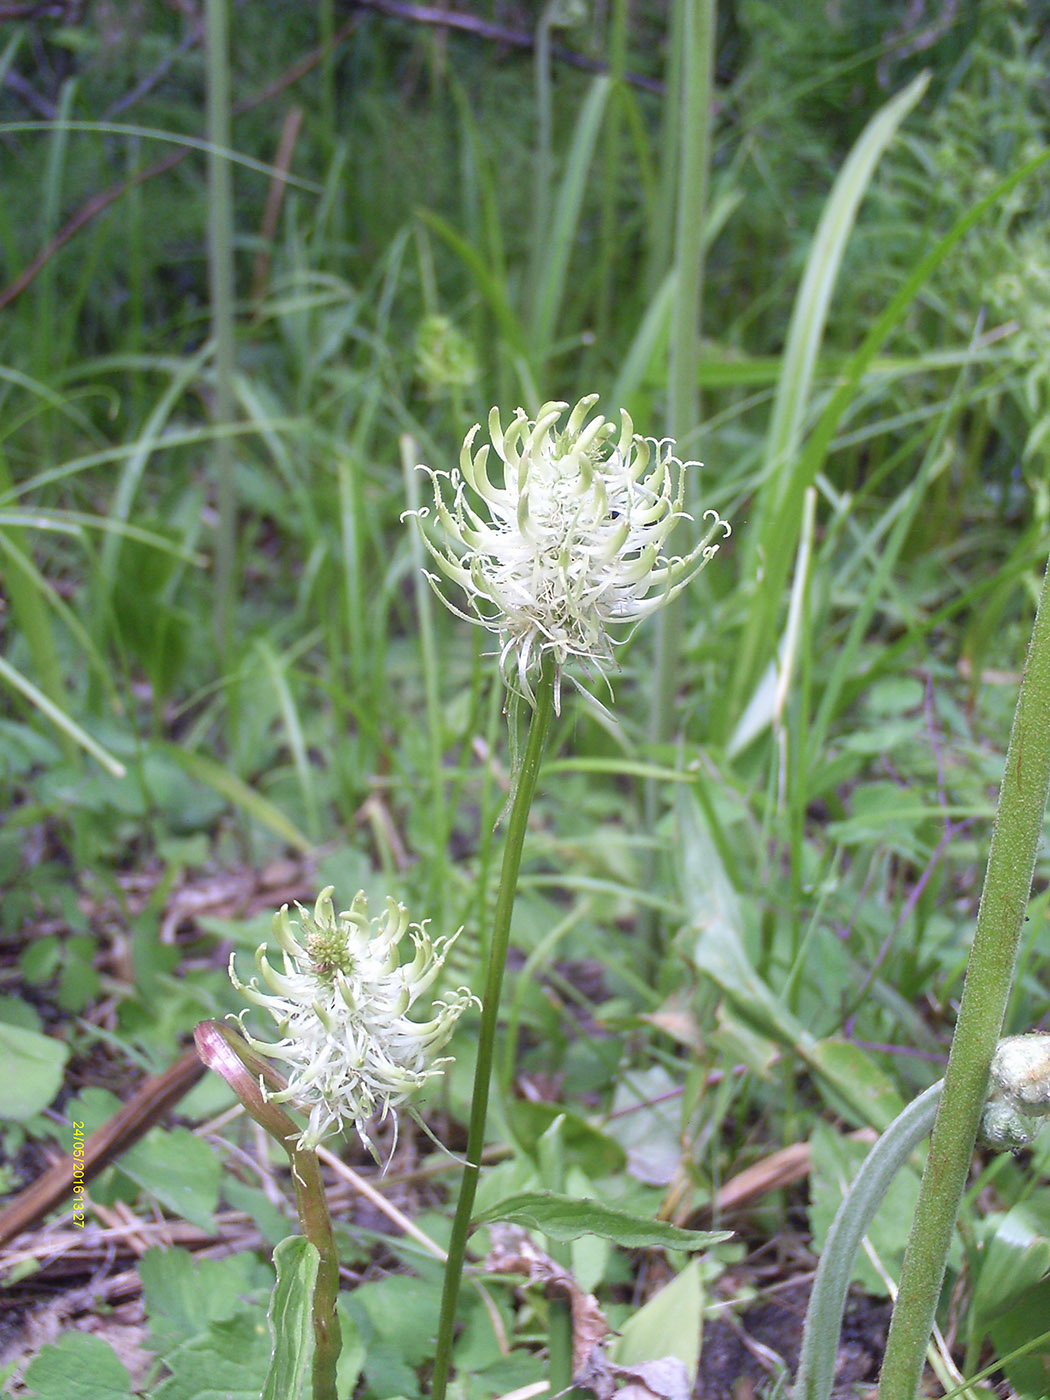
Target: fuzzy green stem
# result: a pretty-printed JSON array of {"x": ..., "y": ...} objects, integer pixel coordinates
[
  {"x": 1007, "y": 885},
  {"x": 517, "y": 825},
  {"x": 225, "y": 1052}
]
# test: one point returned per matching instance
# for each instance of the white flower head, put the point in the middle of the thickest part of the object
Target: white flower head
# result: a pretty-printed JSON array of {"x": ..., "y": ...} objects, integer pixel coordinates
[
  {"x": 571, "y": 541},
  {"x": 348, "y": 1046}
]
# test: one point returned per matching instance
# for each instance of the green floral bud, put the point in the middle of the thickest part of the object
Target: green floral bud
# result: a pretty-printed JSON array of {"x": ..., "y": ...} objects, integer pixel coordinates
[
  {"x": 445, "y": 359},
  {"x": 1005, "y": 1129},
  {"x": 1019, "y": 1092}
]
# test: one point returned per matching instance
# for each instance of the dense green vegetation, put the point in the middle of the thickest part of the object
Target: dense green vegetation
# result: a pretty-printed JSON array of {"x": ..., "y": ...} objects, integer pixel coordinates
[{"x": 752, "y": 872}]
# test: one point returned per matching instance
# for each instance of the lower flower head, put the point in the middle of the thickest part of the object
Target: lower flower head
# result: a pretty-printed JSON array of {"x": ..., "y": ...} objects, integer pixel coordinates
[
  {"x": 571, "y": 541},
  {"x": 348, "y": 1046}
]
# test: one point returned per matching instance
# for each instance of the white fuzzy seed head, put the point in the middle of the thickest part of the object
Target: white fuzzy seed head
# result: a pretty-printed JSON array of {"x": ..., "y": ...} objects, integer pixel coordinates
[
  {"x": 348, "y": 1046},
  {"x": 570, "y": 542}
]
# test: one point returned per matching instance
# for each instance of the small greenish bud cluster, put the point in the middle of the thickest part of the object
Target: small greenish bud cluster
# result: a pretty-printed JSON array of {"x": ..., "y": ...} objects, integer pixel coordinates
[
  {"x": 1019, "y": 1099},
  {"x": 570, "y": 542},
  {"x": 348, "y": 1046},
  {"x": 445, "y": 359}
]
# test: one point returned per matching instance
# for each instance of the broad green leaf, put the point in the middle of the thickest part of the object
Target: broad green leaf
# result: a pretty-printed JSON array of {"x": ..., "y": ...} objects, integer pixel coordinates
[
  {"x": 270, "y": 1220},
  {"x": 403, "y": 1313},
  {"x": 1016, "y": 1258},
  {"x": 843, "y": 1071},
  {"x": 849, "y": 1077},
  {"x": 706, "y": 891},
  {"x": 564, "y": 1218},
  {"x": 183, "y": 1293},
  {"x": 352, "y": 1352},
  {"x": 35, "y": 1071},
  {"x": 1027, "y": 1322},
  {"x": 16, "y": 1012},
  {"x": 290, "y": 1317},
  {"x": 646, "y": 1120},
  {"x": 719, "y": 954},
  {"x": 227, "y": 1362},
  {"x": 595, "y": 1152},
  {"x": 78, "y": 1367},
  {"x": 669, "y": 1325},
  {"x": 180, "y": 1170},
  {"x": 235, "y": 790}
]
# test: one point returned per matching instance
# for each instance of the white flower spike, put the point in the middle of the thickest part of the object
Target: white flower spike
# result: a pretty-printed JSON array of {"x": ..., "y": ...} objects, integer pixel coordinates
[
  {"x": 570, "y": 542},
  {"x": 349, "y": 1049}
]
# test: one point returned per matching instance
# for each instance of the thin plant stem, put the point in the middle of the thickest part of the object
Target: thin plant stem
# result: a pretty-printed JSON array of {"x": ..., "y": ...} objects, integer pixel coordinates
[
  {"x": 517, "y": 824},
  {"x": 551, "y": 1155},
  {"x": 989, "y": 976},
  {"x": 326, "y": 28},
  {"x": 225, "y": 1052},
  {"x": 559, "y": 1340},
  {"x": 220, "y": 275},
  {"x": 542, "y": 176},
  {"x": 439, "y": 810},
  {"x": 695, "y": 26}
]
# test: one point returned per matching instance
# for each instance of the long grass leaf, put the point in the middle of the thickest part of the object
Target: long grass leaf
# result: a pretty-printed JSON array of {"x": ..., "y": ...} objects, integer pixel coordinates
[
  {"x": 21, "y": 574},
  {"x": 239, "y": 794},
  {"x": 558, "y": 245},
  {"x": 810, "y": 313},
  {"x": 220, "y": 288},
  {"x": 148, "y": 441},
  {"x": 62, "y": 721},
  {"x": 813, "y": 455},
  {"x": 170, "y": 138},
  {"x": 277, "y": 674},
  {"x": 650, "y": 336},
  {"x": 491, "y": 288},
  {"x": 772, "y": 539}
]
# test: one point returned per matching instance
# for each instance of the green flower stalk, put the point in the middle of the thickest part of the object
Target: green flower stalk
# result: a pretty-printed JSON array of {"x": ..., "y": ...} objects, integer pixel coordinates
[
  {"x": 986, "y": 991},
  {"x": 248, "y": 1074},
  {"x": 349, "y": 1049},
  {"x": 570, "y": 542}
]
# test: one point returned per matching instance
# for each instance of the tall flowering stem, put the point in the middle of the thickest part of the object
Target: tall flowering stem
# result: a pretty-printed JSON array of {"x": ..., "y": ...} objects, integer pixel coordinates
[
  {"x": 229, "y": 1055},
  {"x": 563, "y": 542},
  {"x": 517, "y": 825},
  {"x": 989, "y": 976}
]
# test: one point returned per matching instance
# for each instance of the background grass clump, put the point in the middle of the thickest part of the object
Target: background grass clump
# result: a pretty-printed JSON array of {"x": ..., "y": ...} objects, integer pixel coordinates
[{"x": 741, "y": 927}]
